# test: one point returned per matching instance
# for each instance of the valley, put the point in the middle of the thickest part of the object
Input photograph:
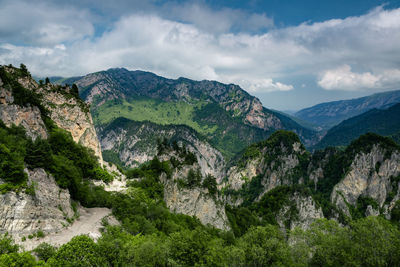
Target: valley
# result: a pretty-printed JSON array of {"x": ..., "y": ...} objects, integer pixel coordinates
[{"x": 187, "y": 173}]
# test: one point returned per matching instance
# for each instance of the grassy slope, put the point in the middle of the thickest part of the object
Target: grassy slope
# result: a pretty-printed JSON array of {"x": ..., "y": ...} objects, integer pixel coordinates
[
  {"x": 153, "y": 110},
  {"x": 227, "y": 134}
]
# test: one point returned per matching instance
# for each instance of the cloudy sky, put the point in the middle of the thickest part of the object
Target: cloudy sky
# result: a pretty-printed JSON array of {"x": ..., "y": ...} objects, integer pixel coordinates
[{"x": 291, "y": 54}]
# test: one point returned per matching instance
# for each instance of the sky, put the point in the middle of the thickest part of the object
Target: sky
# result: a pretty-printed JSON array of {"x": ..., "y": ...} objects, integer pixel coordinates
[{"x": 290, "y": 54}]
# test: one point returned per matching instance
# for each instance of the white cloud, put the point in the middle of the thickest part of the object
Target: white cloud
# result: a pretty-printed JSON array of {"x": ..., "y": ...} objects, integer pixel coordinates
[
  {"x": 343, "y": 78},
  {"x": 263, "y": 85},
  {"x": 217, "y": 21},
  {"x": 390, "y": 78},
  {"x": 206, "y": 47},
  {"x": 38, "y": 23}
]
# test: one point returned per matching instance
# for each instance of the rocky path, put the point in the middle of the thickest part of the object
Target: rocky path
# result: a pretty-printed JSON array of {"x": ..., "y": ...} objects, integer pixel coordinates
[{"x": 88, "y": 223}]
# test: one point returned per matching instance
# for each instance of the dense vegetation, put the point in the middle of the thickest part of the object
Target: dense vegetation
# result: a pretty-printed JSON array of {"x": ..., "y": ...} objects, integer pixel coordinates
[
  {"x": 150, "y": 235},
  {"x": 71, "y": 164},
  {"x": 384, "y": 122},
  {"x": 371, "y": 241}
]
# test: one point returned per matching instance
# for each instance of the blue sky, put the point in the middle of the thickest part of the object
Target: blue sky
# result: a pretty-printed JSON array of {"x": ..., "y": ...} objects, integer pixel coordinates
[
  {"x": 294, "y": 12},
  {"x": 290, "y": 54}
]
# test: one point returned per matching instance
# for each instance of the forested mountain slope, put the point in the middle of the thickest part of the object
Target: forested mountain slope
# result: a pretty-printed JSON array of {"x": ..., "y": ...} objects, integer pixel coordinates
[
  {"x": 384, "y": 122},
  {"x": 330, "y": 114}
]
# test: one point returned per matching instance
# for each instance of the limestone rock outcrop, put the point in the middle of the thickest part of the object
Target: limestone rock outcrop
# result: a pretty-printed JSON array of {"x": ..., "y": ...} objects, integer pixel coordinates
[
  {"x": 136, "y": 143},
  {"x": 194, "y": 201},
  {"x": 369, "y": 176},
  {"x": 73, "y": 115},
  {"x": 48, "y": 209},
  {"x": 306, "y": 213},
  {"x": 274, "y": 167},
  {"x": 28, "y": 117}
]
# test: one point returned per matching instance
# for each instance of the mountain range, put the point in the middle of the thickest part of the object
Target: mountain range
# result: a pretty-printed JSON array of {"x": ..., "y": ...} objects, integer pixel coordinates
[
  {"x": 327, "y": 115},
  {"x": 202, "y": 175},
  {"x": 384, "y": 122},
  {"x": 226, "y": 115}
]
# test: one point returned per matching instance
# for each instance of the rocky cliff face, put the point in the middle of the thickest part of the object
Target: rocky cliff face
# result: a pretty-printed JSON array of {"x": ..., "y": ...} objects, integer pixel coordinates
[
  {"x": 274, "y": 162},
  {"x": 195, "y": 201},
  {"x": 362, "y": 180},
  {"x": 100, "y": 84},
  {"x": 47, "y": 209},
  {"x": 67, "y": 111},
  {"x": 306, "y": 212},
  {"x": 73, "y": 115},
  {"x": 280, "y": 172},
  {"x": 29, "y": 116},
  {"x": 237, "y": 176},
  {"x": 370, "y": 175},
  {"x": 137, "y": 142}
]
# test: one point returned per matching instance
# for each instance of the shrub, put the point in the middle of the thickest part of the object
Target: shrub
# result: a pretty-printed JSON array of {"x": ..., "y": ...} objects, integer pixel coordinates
[
  {"x": 193, "y": 178},
  {"x": 18, "y": 259},
  {"x": 40, "y": 234},
  {"x": 103, "y": 175},
  {"x": 11, "y": 165},
  {"x": 80, "y": 251},
  {"x": 211, "y": 184},
  {"x": 7, "y": 245},
  {"x": 45, "y": 251},
  {"x": 38, "y": 153}
]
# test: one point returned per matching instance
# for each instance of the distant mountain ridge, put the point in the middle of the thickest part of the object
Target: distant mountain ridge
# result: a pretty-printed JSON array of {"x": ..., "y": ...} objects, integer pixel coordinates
[
  {"x": 330, "y": 114},
  {"x": 229, "y": 116},
  {"x": 384, "y": 122}
]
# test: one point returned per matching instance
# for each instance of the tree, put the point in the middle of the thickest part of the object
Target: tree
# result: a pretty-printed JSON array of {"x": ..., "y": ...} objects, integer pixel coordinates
[
  {"x": 80, "y": 251},
  {"x": 17, "y": 260},
  {"x": 193, "y": 178},
  {"x": 45, "y": 251},
  {"x": 38, "y": 153},
  {"x": 265, "y": 246},
  {"x": 152, "y": 251},
  {"x": 75, "y": 90},
  {"x": 188, "y": 247},
  {"x": 24, "y": 70},
  {"x": 376, "y": 242},
  {"x": 211, "y": 184},
  {"x": 216, "y": 255},
  {"x": 47, "y": 81},
  {"x": 327, "y": 242},
  {"x": 7, "y": 245},
  {"x": 103, "y": 175},
  {"x": 11, "y": 165}
]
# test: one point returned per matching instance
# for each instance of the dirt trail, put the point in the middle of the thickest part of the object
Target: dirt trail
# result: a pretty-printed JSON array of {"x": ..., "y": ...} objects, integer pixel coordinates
[{"x": 88, "y": 223}]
